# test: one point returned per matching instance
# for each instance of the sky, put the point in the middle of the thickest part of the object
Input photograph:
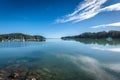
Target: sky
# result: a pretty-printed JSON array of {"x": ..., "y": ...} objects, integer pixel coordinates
[{"x": 57, "y": 18}]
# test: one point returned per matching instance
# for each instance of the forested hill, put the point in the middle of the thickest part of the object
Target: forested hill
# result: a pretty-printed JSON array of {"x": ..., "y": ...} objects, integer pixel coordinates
[
  {"x": 20, "y": 37},
  {"x": 96, "y": 35}
]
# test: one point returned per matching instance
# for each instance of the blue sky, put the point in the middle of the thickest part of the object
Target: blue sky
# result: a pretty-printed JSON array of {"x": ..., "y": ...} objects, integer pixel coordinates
[{"x": 56, "y": 18}]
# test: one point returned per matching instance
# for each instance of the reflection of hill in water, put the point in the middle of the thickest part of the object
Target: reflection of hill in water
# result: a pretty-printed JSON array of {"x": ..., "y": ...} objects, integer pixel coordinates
[{"x": 99, "y": 41}]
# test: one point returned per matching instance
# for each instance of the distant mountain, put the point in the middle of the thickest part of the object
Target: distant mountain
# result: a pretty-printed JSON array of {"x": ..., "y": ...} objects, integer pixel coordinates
[
  {"x": 98, "y": 35},
  {"x": 20, "y": 37}
]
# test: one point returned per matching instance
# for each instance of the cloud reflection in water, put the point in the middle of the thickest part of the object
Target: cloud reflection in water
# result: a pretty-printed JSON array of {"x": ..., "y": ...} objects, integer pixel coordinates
[
  {"x": 92, "y": 67},
  {"x": 107, "y": 49}
]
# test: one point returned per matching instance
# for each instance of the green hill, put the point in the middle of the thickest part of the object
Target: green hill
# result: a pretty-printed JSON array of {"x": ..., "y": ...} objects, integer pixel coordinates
[
  {"x": 21, "y": 37},
  {"x": 98, "y": 35}
]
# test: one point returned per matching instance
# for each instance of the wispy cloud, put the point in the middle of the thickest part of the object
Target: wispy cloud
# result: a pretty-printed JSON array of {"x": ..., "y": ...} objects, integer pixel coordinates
[
  {"x": 117, "y": 24},
  {"x": 114, "y": 7},
  {"x": 88, "y": 9}
]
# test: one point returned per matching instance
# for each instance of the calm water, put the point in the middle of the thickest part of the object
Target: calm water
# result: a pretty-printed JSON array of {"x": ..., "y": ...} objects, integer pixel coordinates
[{"x": 57, "y": 59}]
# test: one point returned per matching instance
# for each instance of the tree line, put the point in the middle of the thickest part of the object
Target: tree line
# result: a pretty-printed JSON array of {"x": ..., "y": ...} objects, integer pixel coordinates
[
  {"x": 96, "y": 35},
  {"x": 21, "y": 36}
]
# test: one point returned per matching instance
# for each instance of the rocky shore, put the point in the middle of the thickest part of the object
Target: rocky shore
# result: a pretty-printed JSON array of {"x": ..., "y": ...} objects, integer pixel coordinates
[{"x": 23, "y": 73}]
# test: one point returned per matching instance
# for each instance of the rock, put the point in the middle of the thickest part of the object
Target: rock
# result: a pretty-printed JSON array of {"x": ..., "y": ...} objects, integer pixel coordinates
[
  {"x": 2, "y": 75},
  {"x": 33, "y": 78},
  {"x": 14, "y": 75},
  {"x": 1, "y": 78}
]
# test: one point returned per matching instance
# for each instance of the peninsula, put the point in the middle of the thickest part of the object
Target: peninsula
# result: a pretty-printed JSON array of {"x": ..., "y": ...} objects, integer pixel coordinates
[
  {"x": 20, "y": 37},
  {"x": 112, "y": 34}
]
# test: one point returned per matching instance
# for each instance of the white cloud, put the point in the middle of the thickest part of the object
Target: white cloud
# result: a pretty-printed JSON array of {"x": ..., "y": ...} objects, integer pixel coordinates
[
  {"x": 88, "y": 9},
  {"x": 117, "y": 24},
  {"x": 115, "y": 7}
]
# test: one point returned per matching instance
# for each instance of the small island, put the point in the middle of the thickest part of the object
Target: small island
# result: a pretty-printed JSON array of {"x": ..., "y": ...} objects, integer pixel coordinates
[
  {"x": 112, "y": 34},
  {"x": 20, "y": 37}
]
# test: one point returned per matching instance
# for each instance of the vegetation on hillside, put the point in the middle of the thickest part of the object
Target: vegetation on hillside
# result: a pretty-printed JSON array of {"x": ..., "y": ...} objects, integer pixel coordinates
[
  {"x": 98, "y": 35},
  {"x": 20, "y": 37}
]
